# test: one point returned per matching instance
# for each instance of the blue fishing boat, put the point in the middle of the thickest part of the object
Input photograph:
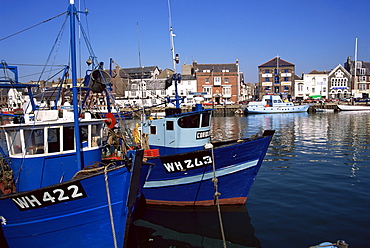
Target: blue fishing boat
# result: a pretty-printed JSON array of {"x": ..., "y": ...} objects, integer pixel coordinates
[
  {"x": 59, "y": 187},
  {"x": 192, "y": 170}
]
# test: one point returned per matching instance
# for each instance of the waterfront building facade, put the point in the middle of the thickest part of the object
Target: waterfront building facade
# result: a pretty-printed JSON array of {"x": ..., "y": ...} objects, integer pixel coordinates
[
  {"x": 220, "y": 82},
  {"x": 340, "y": 83},
  {"x": 312, "y": 85},
  {"x": 155, "y": 87},
  {"x": 360, "y": 78},
  {"x": 276, "y": 77}
]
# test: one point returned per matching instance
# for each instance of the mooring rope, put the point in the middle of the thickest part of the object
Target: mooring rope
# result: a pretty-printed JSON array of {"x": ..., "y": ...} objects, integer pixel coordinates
[
  {"x": 217, "y": 194},
  {"x": 110, "y": 207}
]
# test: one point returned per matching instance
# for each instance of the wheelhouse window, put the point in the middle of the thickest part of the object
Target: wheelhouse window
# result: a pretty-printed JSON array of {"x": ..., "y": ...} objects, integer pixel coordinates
[
  {"x": 53, "y": 140},
  {"x": 169, "y": 125},
  {"x": 14, "y": 139},
  {"x": 68, "y": 139},
  {"x": 34, "y": 140},
  {"x": 191, "y": 121},
  {"x": 84, "y": 136},
  {"x": 95, "y": 135},
  {"x": 153, "y": 129},
  {"x": 206, "y": 119}
]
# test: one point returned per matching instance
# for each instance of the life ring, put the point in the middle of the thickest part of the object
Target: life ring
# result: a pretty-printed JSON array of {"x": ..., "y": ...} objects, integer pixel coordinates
[{"x": 110, "y": 120}]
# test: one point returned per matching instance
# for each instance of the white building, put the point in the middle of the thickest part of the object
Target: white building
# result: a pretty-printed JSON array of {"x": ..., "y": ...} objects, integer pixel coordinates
[
  {"x": 340, "y": 83},
  {"x": 312, "y": 84}
]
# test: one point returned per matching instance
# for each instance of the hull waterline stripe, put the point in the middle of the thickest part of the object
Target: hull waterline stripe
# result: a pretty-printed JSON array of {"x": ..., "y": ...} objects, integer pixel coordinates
[{"x": 197, "y": 178}]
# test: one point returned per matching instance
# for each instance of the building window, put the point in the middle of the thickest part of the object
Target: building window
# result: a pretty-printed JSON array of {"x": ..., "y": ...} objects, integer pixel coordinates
[
  {"x": 276, "y": 72},
  {"x": 217, "y": 81},
  {"x": 339, "y": 82},
  {"x": 300, "y": 87},
  {"x": 267, "y": 71},
  {"x": 226, "y": 91},
  {"x": 362, "y": 86},
  {"x": 267, "y": 88},
  {"x": 286, "y": 88},
  {"x": 286, "y": 79},
  {"x": 324, "y": 89},
  {"x": 286, "y": 70},
  {"x": 207, "y": 80},
  {"x": 276, "y": 80},
  {"x": 363, "y": 78},
  {"x": 226, "y": 80},
  {"x": 208, "y": 90},
  {"x": 313, "y": 90},
  {"x": 267, "y": 79}
]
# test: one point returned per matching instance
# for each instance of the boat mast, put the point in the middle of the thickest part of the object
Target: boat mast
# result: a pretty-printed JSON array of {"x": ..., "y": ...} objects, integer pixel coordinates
[
  {"x": 175, "y": 58},
  {"x": 72, "y": 12},
  {"x": 171, "y": 38},
  {"x": 355, "y": 80}
]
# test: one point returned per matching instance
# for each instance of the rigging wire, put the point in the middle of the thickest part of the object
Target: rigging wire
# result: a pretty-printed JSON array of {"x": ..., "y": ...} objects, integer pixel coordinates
[
  {"x": 55, "y": 46},
  {"x": 32, "y": 26}
]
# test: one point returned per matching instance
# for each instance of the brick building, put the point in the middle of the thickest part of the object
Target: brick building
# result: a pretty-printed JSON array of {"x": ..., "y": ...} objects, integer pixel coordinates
[
  {"x": 276, "y": 77},
  {"x": 220, "y": 81}
]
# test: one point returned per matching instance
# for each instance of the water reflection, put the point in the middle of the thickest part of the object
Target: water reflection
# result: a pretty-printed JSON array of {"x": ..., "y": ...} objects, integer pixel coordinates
[
  {"x": 305, "y": 138},
  {"x": 161, "y": 226}
]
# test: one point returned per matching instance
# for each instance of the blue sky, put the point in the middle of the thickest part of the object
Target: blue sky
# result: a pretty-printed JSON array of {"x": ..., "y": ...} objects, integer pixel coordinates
[{"x": 313, "y": 35}]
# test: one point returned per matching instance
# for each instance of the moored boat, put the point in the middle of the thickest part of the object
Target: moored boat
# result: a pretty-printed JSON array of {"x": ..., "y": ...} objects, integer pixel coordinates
[
  {"x": 271, "y": 104},
  {"x": 57, "y": 188},
  {"x": 343, "y": 107},
  {"x": 192, "y": 170}
]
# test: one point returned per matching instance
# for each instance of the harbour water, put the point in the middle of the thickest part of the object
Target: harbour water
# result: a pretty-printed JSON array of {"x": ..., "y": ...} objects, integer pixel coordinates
[{"x": 313, "y": 187}]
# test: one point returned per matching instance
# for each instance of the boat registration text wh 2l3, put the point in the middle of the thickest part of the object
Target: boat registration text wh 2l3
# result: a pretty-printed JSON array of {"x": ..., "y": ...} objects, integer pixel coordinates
[{"x": 188, "y": 161}]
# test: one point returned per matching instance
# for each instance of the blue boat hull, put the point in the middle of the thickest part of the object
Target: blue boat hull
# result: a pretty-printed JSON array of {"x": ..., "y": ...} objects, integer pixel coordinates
[
  {"x": 187, "y": 178},
  {"x": 71, "y": 214}
]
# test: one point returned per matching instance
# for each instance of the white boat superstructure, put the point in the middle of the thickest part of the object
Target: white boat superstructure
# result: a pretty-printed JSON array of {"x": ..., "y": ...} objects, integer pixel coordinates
[{"x": 271, "y": 104}]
